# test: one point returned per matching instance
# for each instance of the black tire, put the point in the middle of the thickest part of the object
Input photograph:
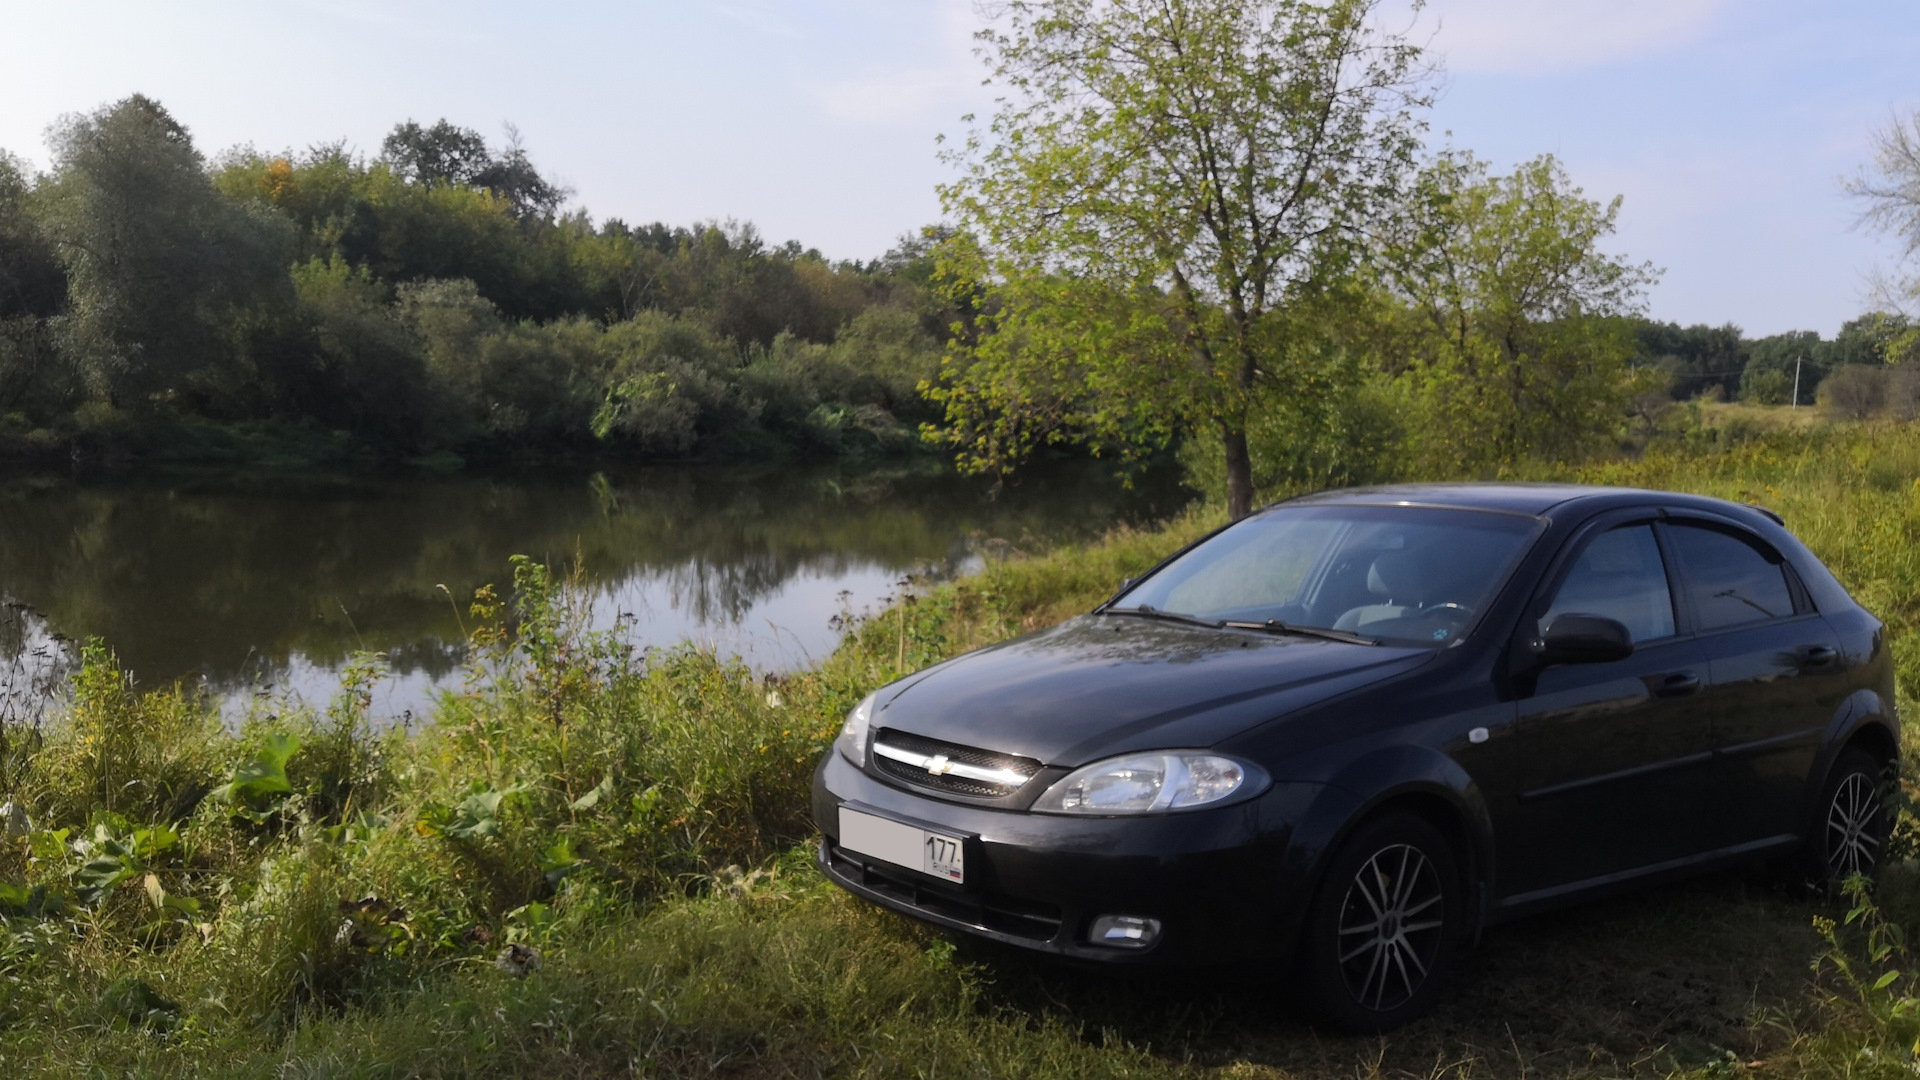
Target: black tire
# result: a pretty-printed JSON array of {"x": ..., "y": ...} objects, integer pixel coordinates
[
  {"x": 1386, "y": 927},
  {"x": 1851, "y": 821}
]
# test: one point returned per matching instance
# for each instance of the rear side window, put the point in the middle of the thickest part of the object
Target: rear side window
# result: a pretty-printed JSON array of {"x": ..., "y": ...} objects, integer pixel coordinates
[
  {"x": 1620, "y": 576},
  {"x": 1729, "y": 581}
]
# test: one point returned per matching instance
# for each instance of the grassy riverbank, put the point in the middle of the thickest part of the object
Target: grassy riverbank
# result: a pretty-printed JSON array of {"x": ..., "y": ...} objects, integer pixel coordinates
[{"x": 307, "y": 897}]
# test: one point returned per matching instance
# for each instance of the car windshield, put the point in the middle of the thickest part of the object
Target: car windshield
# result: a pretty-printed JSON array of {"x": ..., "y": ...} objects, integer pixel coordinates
[{"x": 1400, "y": 574}]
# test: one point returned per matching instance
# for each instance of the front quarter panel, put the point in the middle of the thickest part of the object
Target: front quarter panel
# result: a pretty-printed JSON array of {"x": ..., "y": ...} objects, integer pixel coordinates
[{"x": 1450, "y": 765}]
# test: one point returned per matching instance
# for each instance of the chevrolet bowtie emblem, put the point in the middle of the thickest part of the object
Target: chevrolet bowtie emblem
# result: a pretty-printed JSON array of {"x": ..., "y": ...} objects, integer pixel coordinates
[{"x": 938, "y": 765}]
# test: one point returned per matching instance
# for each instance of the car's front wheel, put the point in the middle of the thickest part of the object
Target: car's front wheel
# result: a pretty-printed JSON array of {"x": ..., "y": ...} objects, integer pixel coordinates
[
  {"x": 1385, "y": 927},
  {"x": 1852, "y": 819}
]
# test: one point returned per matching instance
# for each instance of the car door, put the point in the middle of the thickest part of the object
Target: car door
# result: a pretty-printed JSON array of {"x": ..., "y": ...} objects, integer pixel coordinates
[
  {"x": 1775, "y": 672},
  {"x": 1614, "y": 759}
]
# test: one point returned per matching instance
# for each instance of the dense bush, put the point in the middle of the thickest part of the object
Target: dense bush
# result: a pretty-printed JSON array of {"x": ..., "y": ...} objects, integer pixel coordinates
[{"x": 1854, "y": 392}]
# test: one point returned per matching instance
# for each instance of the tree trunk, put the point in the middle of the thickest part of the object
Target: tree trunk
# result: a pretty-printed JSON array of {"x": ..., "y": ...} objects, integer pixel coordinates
[{"x": 1239, "y": 473}]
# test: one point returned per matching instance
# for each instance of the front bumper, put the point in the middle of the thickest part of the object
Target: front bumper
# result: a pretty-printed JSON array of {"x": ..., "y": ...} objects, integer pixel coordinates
[{"x": 1227, "y": 884}]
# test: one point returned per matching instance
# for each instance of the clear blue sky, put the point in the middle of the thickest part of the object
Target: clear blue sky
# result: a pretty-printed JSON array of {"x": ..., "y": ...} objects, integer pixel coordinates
[{"x": 1727, "y": 126}]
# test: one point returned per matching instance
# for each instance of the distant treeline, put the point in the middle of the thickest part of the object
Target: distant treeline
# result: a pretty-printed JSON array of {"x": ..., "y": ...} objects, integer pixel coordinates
[
  {"x": 1721, "y": 361},
  {"x": 432, "y": 298}
]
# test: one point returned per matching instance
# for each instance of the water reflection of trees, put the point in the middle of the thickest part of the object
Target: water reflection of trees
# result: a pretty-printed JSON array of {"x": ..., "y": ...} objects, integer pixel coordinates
[
  {"x": 230, "y": 577},
  {"x": 35, "y": 662}
]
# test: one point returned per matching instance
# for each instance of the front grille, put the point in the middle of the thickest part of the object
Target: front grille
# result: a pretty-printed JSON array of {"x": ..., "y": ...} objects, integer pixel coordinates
[
  {"x": 1016, "y": 770},
  {"x": 986, "y": 910}
]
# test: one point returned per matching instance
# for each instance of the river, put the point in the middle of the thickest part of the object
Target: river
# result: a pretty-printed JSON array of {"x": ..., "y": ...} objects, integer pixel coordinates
[{"x": 261, "y": 587}]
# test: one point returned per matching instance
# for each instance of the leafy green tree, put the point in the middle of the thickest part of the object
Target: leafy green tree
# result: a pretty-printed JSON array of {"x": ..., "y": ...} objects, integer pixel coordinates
[
  {"x": 1769, "y": 386},
  {"x": 1801, "y": 353},
  {"x": 1162, "y": 181},
  {"x": 372, "y": 215},
  {"x": 432, "y": 298},
  {"x": 1516, "y": 343},
  {"x": 511, "y": 176},
  {"x": 375, "y": 370},
  {"x": 33, "y": 289},
  {"x": 1697, "y": 357},
  {"x": 1877, "y": 337},
  {"x": 161, "y": 267},
  {"x": 440, "y": 155},
  {"x": 32, "y": 284}
]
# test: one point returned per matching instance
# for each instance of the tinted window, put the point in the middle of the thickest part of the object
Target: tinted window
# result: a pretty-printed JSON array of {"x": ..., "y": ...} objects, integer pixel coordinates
[
  {"x": 1620, "y": 576},
  {"x": 1412, "y": 574},
  {"x": 1728, "y": 580}
]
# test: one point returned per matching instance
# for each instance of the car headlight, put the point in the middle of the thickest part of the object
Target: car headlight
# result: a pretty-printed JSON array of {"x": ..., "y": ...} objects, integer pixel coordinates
[
  {"x": 1151, "y": 783},
  {"x": 853, "y": 733}
]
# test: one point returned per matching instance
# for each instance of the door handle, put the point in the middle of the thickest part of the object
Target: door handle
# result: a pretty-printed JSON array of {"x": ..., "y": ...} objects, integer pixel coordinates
[
  {"x": 1817, "y": 655},
  {"x": 1678, "y": 684}
]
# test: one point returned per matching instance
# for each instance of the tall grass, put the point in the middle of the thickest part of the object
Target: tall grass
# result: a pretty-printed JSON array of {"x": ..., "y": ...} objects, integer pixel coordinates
[{"x": 308, "y": 894}]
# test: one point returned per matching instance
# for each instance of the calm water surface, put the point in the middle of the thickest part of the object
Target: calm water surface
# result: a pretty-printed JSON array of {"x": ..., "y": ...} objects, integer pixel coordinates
[{"x": 264, "y": 586}]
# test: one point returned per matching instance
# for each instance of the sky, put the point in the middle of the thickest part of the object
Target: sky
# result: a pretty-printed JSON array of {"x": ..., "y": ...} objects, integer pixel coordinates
[{"x": 1728, "y": 127}]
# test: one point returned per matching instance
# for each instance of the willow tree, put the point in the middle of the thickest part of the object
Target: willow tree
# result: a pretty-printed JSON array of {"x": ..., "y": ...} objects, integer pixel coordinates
[{"x": 1161, "y": 184}]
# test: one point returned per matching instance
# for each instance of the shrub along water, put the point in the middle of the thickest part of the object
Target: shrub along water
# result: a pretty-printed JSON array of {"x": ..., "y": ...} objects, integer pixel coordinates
[{"x": 595, "y": 860}]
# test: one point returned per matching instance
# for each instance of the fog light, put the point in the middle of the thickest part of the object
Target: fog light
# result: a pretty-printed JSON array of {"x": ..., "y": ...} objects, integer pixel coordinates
[{"x": 1124, "y": 931}]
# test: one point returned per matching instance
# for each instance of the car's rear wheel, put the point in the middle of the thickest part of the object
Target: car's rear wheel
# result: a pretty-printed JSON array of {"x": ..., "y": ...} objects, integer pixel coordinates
[
  {"x": 1852, "y": 820},
  {"x": 1385, "y": 927}
]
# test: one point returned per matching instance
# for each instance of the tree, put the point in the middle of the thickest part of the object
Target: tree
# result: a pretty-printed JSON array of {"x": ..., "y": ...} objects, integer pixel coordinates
[
  {"x": 1877, "y": 337},
  {"x": 1518, "y": 346},
  {"x": 1891, "y": 193},
  {"x": 33, "y": 290},
  {"x": 511, "y": 176},
  {"x": 1801, "y": 358},
  {"x": 1163, "y": 181},
  {"x": 32, "y": 284},
  {"x": 164, "y": 271},
  {"x": 1697, "y": 357},
  {"x": 436, "y": 156},
  {"x": 1766, "y": 387}
]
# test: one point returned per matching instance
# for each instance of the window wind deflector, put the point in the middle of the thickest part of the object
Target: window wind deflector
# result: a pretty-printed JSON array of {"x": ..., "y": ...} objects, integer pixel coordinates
[
  {"x": 1275, "y": 626},
  {"x": 1147, "y": 611}
]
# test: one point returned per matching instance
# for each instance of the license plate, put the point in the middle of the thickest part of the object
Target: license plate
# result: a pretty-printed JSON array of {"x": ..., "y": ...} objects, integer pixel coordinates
[{"x": 929, "y": 852}]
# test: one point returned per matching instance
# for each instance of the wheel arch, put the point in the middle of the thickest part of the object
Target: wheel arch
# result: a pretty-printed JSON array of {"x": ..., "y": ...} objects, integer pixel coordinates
[
  {"x": 1864, "y": 719},
  {"x": 1876, "y": 737},
  {"x": 1413, "y": 779}
]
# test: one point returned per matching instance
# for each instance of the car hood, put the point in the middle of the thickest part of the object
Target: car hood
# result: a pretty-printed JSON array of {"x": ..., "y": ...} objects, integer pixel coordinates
[{"x": 1101, "y": 685}]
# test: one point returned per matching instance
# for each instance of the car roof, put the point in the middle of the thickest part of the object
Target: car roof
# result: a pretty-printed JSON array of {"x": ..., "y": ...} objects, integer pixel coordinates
[{"x": 1513, "y": 498}]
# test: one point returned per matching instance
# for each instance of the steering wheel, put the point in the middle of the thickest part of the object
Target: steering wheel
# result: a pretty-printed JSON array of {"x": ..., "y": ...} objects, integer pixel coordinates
[{"x": 1460, "y": 611}]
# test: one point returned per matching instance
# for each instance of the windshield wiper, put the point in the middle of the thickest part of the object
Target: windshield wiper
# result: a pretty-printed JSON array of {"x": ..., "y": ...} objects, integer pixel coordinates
[
  {"x": 1148, "y": 611},
  {"x": 1271, "y": 626},
  {"x": 1275, "y": 626}
]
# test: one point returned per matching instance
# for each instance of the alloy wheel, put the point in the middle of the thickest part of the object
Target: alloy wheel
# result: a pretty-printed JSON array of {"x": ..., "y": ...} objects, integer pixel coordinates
[
  {"x": 1853, "y": 827},
  {"x": 1391, "y": 927}
]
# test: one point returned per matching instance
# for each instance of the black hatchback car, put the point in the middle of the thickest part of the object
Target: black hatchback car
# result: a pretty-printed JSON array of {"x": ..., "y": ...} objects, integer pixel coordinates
[{"x": 1348, "y": 732}]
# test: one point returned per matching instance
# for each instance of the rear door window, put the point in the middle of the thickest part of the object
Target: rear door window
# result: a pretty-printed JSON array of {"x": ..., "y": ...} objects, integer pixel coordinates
[{"x": 1729, "y": 580}]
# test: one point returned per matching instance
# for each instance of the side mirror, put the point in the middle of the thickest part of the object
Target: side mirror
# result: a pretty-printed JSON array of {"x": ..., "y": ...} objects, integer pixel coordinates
[{"x": 1574, "y": 638}]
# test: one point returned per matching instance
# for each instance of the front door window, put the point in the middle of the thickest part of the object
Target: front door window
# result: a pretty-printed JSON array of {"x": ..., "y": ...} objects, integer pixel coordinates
[{"x": 1619, "y": 576}]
